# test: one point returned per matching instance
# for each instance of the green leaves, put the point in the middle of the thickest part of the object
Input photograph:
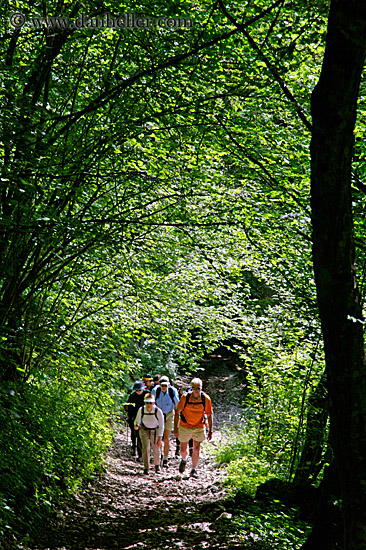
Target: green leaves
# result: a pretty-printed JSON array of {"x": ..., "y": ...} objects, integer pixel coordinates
[{"x": 156, "y": 183}]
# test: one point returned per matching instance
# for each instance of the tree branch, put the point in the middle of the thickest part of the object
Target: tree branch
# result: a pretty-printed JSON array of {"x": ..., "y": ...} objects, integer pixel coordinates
[{"x": 288, "y": 94}]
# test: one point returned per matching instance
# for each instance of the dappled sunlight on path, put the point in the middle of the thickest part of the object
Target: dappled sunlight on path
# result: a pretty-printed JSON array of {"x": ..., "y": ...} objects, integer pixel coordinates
[{"x": 122, "y": 508}]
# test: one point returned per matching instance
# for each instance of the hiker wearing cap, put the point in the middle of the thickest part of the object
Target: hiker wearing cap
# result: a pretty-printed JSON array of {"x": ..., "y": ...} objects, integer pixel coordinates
[
  {"x": 193, "y": 407},
  {"x": 150, "y": 424},
  {"x": 166, "y": 398},
  {"x": 134, "y": 402},
  {"x": 156, "y": 380},
  {"x": 148, "y": 381}
]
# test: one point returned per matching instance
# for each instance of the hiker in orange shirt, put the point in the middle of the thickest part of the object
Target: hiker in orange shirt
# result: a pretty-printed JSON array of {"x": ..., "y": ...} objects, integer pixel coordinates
[{"x": 189, "y": 422}]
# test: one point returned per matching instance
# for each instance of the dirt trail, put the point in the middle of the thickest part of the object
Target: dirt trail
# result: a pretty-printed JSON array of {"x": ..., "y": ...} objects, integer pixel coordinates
[{"x": 124, "y": 509}]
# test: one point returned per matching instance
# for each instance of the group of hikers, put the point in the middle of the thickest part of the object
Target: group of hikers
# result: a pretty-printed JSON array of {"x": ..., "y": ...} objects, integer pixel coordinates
[{"x": 155, "y": 409}]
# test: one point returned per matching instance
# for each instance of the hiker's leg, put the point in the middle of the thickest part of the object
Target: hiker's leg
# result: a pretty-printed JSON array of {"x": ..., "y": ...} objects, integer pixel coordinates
[
  {"x": 183, "y": 449},
  {"x": 169, "y": 424},
  {"x": 139, "y": 444},
  {"x": 198, "y": 435},
  {"x": 155, "y": 449},
  {"x": 131, "y": 424},
  {"x": 133, "y": 437},
  {"x": 166, "y": 442},
  {"x": 177, "y": 447},
  {"x": 184, "y": 436},
  {"x": 144, "y": 436},
  {"x": 196, "y": 453}
]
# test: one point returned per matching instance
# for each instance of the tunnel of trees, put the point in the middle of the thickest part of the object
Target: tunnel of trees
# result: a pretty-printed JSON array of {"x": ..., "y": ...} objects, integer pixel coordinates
[{"x": 164, "y": 189}]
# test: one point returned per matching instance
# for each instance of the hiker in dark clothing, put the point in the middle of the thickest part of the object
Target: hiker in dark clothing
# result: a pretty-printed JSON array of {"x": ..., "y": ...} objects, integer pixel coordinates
[
  {"x": 134, "y": 402},
  {"x": 156, "y": 380},
  {"x": 148, "y": 382},
  {"x": 181, "y": 391}
]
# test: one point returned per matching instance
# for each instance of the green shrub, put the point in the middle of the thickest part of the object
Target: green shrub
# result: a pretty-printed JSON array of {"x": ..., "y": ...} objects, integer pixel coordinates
[
  {"x": 265, "y": 524},
  {"x": 245, "y": 471},
  {"x": 272, "y": 525},
  {"x": 53, "y": 439},
  {"x": 246, "y": 474}
]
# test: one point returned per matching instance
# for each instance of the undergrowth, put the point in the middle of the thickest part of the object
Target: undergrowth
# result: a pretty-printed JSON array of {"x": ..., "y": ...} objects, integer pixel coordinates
[
  {"x": 270, "y": 525},
  {"x": 265, "y": 523},
  {"x": 53, "y": 439},
  {"x": 245, "y": 469}
]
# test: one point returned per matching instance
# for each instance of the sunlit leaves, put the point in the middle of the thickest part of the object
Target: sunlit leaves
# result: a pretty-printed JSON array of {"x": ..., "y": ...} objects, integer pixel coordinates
[{"x": 156, "y": 183}]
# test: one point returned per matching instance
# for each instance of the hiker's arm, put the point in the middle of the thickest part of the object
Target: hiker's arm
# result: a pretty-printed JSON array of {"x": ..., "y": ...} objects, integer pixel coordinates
[
  {"x": 160, "y": 429},
  {"x": 209, "y": 420},
  {"x": 138, "y": 419}
]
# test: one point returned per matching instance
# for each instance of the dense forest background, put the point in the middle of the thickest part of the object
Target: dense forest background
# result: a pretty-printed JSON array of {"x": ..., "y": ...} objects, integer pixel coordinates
[{"x": 155, "y": 204}]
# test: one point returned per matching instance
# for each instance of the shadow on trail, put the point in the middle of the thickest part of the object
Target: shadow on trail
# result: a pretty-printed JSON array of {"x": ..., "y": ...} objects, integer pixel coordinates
[
  {"x": 179, "y": 527},
  {"x": 121, "y": 508}
]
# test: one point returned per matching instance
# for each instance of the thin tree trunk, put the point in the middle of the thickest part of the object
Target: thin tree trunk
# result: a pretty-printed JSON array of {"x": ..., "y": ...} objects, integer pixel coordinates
[{"x": 312, "y": 454}]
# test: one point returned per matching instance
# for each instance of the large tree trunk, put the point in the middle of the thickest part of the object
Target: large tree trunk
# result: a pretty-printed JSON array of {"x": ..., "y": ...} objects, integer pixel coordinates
[{"x": 334, "y": 103}]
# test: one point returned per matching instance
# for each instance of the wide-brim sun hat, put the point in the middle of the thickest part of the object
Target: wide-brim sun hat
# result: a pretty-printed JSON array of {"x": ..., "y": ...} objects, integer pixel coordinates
[{"x": 138, "y": 385}]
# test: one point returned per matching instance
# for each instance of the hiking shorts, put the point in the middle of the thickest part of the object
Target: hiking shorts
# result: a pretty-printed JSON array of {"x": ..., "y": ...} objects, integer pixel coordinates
[
  {"x": 169, "y": 420},
  {"x": 185, "y": 434}
]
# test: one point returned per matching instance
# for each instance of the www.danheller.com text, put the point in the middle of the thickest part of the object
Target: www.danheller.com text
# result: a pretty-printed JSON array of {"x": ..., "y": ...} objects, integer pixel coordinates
[{"x": 104, "y": 21}]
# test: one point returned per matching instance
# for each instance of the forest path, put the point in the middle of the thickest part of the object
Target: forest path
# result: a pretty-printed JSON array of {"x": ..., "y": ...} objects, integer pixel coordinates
[{"x": 121, "y": 508}]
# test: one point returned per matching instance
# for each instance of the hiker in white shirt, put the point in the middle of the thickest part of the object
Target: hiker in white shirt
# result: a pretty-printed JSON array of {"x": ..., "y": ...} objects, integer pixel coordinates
[{"x": 150, "y": 423}]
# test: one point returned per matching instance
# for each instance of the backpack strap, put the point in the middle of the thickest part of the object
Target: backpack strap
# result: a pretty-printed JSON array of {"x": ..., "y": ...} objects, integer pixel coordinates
[
  {"x": 149, "y": 414},
  {"x": 203, "y": 402},
  {"x": 170, "y": 392}
]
